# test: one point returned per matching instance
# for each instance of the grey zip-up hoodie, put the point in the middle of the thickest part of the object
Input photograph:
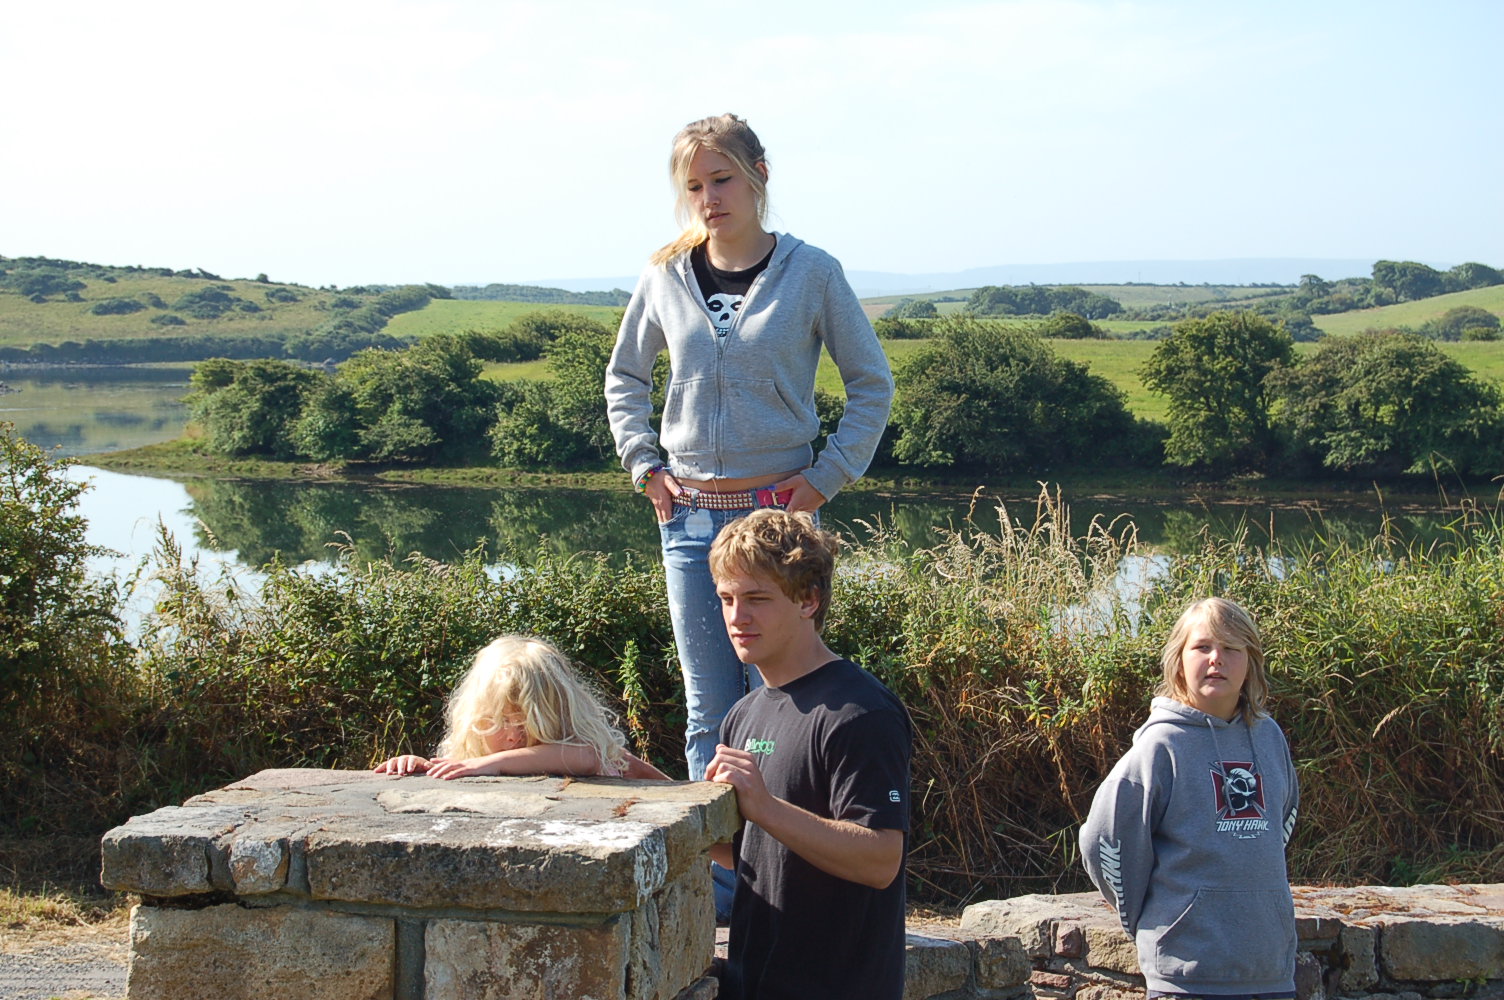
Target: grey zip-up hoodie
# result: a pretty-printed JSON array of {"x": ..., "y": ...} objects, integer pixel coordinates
[
  {"x": 744, "y": 404},
  {"x": 1186, "y": 839}
]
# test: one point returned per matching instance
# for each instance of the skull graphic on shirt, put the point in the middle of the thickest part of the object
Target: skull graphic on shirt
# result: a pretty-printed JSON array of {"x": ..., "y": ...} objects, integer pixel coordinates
[{"x": 723, "y": 308}]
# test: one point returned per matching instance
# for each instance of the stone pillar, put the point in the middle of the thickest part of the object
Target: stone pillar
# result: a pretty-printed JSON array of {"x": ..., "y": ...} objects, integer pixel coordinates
[{"x": 355, "y": 886}]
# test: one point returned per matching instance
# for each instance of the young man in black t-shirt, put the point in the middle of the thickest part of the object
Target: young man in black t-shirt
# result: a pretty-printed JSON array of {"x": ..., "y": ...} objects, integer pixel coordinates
[{"x": 819, "y": 758}]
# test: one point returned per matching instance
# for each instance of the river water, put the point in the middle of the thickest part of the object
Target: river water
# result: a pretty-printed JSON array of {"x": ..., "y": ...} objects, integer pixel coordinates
[{"x": 238, "y": 525}]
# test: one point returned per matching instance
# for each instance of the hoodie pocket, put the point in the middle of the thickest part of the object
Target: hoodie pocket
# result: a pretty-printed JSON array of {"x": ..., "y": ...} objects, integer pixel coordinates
[
  {"x": 1230, "y": 936},
  {"x": 733, "y": 416},
  {"x": 759, "y": 417}
]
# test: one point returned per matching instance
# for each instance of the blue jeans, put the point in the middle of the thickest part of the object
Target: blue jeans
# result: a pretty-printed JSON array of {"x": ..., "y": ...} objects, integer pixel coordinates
[{"x": 714, "y": 678}]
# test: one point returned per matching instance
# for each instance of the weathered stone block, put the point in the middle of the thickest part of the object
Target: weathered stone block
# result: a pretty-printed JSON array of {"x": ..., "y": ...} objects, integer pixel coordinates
[
  {"x": 703, "y": 989},
  {"x": 1109, "y": 947},
  {"x": 164, "y": 853},
  {"x": 1101, "y": 992},
  {"x": 1001, "y": 964},
  {"x": 271, "y": 953},
  {"x": 1058, "y": 981},
  {"x": 1358, "y": 954},
  {"x": 1441, "y": 948},
  {"x": 673, "y": 936},
  {"x": 470, "y": 960},
  {"x": 1069, "y": 941},
  {"x": 934, "y": 966},
  {"x": 1308, "y": 981},
  {"x": 258, "y": 866},
  {"x": 556, "y": 866},
  {"x": 1031, "y": 919}
]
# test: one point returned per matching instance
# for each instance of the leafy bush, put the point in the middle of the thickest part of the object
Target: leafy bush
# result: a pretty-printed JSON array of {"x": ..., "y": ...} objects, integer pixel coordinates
[
  {"x": 209, "y": 302},
  {"x": 561, "y": 422},
  {"x": 1213, "y": 372},
  {"x": 912, "y": 309},
  {"x": 1383, "y": 403},
  {"x": 43, "y": 282},
  {"x": 1455, "y": 322},
  {"x": 169, "y": 319},
  {"x": 53, "y": 618},
  {"x": 1070, "y": 326},
  {"x": 985, "y": 395},
  {"x": 889, "y": 328},
  {"x": 251, "y": 407},
  {"x": 64, "y": 665},
  {"x": 116, "y": 307}
]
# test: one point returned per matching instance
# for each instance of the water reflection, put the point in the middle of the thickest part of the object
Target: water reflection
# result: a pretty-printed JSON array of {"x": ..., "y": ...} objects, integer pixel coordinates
[
  {"x": 82, "y": 411},
  {"x": 252, "y": 522}
]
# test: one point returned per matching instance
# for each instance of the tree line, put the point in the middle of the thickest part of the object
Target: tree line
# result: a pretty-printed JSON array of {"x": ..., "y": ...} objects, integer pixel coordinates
[
  {"x": 982, "y": 397},
  {"x": 1071, "y": 308}
]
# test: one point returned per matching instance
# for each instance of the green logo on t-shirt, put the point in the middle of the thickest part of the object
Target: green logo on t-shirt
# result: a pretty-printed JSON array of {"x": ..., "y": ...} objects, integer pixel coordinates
[{"x": 759, "y": 746}]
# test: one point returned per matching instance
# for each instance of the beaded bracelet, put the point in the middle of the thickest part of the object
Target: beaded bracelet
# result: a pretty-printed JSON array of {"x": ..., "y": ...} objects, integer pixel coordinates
[{"x": 641, "y": 485}]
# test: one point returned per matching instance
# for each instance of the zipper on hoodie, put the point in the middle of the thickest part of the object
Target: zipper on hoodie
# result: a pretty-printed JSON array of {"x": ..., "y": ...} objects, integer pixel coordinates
[{"x": 720, "y": 346}]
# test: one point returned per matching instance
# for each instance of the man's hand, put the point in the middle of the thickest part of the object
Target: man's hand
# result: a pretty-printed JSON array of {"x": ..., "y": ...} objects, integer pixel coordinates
[
  {"x": 837, "y": 847},
  {"x": 738, "y": 768}
]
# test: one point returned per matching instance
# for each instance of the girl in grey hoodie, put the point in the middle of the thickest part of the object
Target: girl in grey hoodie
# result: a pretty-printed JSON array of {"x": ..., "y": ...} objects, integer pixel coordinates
[
  {"x": 744, "y": 315},
  {"x": 1186, "y": 837}
]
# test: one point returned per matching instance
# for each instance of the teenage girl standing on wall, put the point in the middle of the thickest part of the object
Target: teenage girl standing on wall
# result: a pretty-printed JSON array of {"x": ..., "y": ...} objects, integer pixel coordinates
[{"x": 743, "y": 313}]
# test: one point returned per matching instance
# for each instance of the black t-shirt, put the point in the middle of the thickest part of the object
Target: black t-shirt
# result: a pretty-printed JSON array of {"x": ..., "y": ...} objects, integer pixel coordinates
[
  {"x": 837, "y": 743},
  {"x": 723, "y": 291}
]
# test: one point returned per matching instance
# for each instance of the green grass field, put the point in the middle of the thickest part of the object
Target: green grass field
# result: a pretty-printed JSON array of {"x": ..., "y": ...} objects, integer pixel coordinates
[
  {"x": 23, "y": 322},
  {"x": 456, "y": 315},
  {"x": 1131, "y": 296},
  {"x": 1411, "y": 314}
]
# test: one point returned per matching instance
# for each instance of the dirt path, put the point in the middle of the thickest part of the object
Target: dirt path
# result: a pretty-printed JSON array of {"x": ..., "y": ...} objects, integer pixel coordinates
[{"x": 75, "y": 963}]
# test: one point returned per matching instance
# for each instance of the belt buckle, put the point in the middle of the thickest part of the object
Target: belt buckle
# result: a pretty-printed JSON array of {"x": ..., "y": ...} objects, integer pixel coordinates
[
  {"x": 694, "y": 498},
  {"x": 768, "y": 497}
]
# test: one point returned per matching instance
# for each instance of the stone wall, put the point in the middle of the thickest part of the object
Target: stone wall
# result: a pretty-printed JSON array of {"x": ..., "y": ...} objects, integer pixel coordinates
[
  {"x": 352, "y": 886},
  {"x": 1421, "y": 941}
]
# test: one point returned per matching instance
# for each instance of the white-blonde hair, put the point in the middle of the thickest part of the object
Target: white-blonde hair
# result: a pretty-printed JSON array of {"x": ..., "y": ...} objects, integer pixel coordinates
[
  {"x": 518, "y": 673},
  {"x": 734, "y": 139}
]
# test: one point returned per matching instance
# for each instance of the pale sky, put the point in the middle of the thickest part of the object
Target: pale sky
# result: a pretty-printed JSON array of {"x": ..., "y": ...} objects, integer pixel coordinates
[{"x": 389, "y": 141}]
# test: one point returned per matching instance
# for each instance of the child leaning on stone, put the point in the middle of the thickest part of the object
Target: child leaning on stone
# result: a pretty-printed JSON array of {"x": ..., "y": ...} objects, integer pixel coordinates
[{"x": 522, "y": 709}]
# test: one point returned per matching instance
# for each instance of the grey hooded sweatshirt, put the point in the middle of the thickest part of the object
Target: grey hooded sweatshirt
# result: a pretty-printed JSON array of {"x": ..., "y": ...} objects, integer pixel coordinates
[
  {"x": 743, "y": 404},
  {"x": 1186, "y": 839}
]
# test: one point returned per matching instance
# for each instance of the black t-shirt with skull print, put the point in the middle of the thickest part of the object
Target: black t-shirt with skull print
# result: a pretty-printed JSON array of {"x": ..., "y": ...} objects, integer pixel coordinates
[{"x": 724, "y": 290}]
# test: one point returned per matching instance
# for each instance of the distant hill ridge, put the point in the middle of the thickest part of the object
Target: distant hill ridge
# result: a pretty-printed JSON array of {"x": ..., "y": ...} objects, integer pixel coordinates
[
  {"x": 536, "y": 293},
  {"x": 1232, "y": 271}
]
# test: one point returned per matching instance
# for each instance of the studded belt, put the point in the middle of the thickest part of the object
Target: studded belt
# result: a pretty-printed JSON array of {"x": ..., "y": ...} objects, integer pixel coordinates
[{"x": 744, "y": 500}]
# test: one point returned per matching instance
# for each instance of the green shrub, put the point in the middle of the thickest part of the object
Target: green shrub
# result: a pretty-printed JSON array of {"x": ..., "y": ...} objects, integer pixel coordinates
[
  {"x": 900, "y": 328},
  {"x": 63, "y": 658},
  {"x": 116, "y": 307},
  {"x": 1025, "y": 661}
]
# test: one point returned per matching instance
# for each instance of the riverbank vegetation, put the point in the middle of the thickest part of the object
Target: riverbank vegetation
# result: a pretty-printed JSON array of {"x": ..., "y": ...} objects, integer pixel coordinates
[
  {"x": 979, "y": 397},
  {"x": 1026, "y": 655}
]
